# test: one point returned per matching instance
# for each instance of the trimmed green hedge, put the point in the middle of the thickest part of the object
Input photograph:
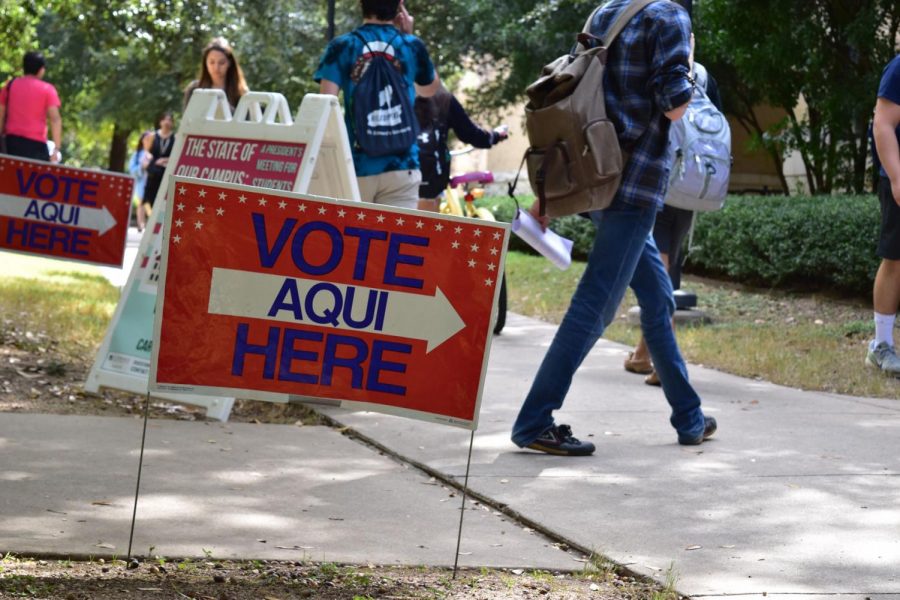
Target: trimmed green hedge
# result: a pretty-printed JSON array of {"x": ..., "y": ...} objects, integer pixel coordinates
[
  {"x": 820, "y": 241},
  {"x": 823, "y": 242}
]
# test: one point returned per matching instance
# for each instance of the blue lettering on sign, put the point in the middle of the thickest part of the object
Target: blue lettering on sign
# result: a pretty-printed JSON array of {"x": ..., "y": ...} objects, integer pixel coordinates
[
  {"x": 327, "y": 315},
  {"x": 337, "y": 248},
  {"x": 335, "y": 306},
  {"x": 331, "y": 239},
  {"x": 291, "y": 352},
  {"x": 352, "y": 363},
  {"x": 268, "y": 256},
  {"x": 395, "y": 258},
  {"x": 362, "y": 255},
  {"x": 288, "y": 298},
  {"x": 47, "y": 186},
  {"x": 365, "y": 365},
  {"x": 39, "y": 236},
  {"x": 53, "y": 213}
]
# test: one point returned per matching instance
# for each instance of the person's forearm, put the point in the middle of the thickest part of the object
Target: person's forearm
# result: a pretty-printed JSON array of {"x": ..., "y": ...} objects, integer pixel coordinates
[
  {"x": 888, "y": 148},
  {"x": 56, "y": 131},
  {"x": 465, "y": 129},
  {"x": 677, "y": 113},
  {"x": 329, "y": 87}
]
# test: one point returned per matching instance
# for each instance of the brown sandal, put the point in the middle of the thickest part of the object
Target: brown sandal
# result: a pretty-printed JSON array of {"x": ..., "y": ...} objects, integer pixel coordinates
[
  {"x": 641, "y": 367},
  {"x": 653, "y": 379}
]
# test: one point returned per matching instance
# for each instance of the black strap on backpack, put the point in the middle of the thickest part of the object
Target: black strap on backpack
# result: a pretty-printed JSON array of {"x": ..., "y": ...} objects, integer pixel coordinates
[{"x": 389, "y": 138}]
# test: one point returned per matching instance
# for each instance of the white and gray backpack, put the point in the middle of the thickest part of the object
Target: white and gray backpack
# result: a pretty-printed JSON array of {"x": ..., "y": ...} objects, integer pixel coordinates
[{"x": 700, "y": 144}]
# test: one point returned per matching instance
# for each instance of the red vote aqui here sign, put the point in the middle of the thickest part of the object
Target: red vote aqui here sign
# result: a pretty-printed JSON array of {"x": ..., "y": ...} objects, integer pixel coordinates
[
  {"x": 64, "y": 212},
  {"x": 272, "y": 295}
]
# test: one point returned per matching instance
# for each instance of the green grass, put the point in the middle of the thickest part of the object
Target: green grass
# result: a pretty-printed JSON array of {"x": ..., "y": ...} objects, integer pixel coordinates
[
  {"x": 813, "y": 342},
  {"x": 58, "y": 304},
  {"x": 799, "y": 340}
]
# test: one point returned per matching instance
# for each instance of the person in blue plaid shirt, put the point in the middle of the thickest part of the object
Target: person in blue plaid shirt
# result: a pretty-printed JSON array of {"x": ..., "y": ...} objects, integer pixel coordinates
[{"x": 646, "y": 86}]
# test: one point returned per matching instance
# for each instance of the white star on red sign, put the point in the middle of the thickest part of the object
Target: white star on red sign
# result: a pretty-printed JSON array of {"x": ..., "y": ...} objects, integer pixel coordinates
[
  {"x": 176, "y": 239},
  {"x": 242, "y": 199},
  {"x": 220, "y": 211},
  {"x": 262, "y": 201},
  {"x": 200, "y": 208},
  {"x": 420, "y": 224},
  {"x": 400, "y": 221},
  {"x": 474, "y": 247},
  {"x": 488, "y": 281},
  {"x": 491, "y": 266},
  {"x": 472, "y": 263},
  {"x": 380, "y": 218},
  {"x": 178, "y": 222},
  {"x": 341, "y": 212},
  {"x": 457, "y": 229},
  {"x": 360, "y": 216},
  {"x": 302, "y": 208},
  {"x": 494, "y": 251},
  {"x": 181, "y": 190},
  {"x": 198, "y": 225},
  {"x": 439, "y": 227},
  {"x": 221, "y": 195},
  {"x": 202, "y": 193},
  {"x": 496, "y": 235},
  {"x": 477, "y": 233},
  {"x": 455, "y": 244},
  {"x": 180, "y": 206},
  {"x": 282, "y": 205},
  {"x": 322, "y": 210}
]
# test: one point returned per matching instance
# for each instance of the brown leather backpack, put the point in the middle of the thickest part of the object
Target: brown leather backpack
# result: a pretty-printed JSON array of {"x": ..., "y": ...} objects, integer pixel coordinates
[{"x": 574, "y": 162}]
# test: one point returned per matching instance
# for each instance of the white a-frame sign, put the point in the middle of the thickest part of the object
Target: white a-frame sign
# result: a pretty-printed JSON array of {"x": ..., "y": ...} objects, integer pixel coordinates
[{"x": 259, "y": 145}]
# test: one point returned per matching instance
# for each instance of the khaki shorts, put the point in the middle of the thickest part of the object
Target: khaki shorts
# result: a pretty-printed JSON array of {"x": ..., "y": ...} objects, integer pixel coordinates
[{"x": 395, "y": 188}]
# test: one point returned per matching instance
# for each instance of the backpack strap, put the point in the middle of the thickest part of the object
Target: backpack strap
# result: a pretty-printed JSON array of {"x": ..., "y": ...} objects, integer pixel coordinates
[
  {"x": 585, "y": 37},
  {"x": 624, "y": 17},
  {"x": 365, "y": 42},
  {"x": 362, "y": 39}
]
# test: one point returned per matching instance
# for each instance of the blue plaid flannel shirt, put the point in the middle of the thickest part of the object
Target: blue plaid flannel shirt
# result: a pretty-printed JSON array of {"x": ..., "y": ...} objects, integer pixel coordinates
[{"x": 646, "y": 76}]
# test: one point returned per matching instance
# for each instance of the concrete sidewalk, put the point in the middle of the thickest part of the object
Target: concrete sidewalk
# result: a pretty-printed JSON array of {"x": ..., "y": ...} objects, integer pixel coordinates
[
  {"x": 797, "y": 494},
  {"x": 238, "y": 491}
]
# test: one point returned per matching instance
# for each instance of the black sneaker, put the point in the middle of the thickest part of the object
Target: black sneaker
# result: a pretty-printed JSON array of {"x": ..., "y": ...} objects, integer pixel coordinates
[
  {"x": 558, "y": 439},
  {"x": 708, "y": 430}
]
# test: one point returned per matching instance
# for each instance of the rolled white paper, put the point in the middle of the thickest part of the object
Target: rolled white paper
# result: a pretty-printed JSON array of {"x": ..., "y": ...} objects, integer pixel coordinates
[{"x": 553, "y": 246}]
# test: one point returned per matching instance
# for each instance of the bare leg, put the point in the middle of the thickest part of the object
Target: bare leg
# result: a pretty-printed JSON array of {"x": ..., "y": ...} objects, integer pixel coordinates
[
  {"x": 430, "y": 204},
  {"x": 141, "y": 217},
  {"x": 886, "y": 292}
]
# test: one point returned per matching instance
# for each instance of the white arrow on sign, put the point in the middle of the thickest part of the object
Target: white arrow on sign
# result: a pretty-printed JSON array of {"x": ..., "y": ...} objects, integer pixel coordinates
[
  {"x": 46, "y": 211},
  {"x": 412, "y": 316}
]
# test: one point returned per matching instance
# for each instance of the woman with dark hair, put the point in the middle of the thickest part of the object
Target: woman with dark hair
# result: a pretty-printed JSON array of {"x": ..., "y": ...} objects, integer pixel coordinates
[
  {"x": 137, "y": 166},
  {"x": 161, "y": 149},
  {"x": 219, "y": 69}
]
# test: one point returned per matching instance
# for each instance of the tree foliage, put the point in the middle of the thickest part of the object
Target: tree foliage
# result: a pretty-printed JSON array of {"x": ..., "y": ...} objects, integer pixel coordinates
[
  {"x": 829, "y": 53},
  {"x": 118, "y": 63}
]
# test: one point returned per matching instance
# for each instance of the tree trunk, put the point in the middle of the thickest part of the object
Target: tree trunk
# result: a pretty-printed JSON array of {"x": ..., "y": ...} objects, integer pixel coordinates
[
  {"x": 859, "y": 161},
  {"x": 750, "y": 122},
  {"x": 118, "y": 149},
  {"x": 807, "y": 161}
]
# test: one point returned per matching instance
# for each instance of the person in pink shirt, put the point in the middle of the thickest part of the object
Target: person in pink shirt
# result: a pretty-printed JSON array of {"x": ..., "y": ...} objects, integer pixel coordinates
[{"x": 27, "y": 103}]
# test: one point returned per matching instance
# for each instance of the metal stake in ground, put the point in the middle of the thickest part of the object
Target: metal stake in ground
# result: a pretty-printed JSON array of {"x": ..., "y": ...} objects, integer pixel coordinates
[
  {"x": 137, "y": 488},
  {"x": 462, "y": 510}
]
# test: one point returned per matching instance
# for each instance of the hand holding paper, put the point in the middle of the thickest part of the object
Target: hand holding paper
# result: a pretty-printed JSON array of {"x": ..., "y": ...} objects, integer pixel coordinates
[{"x": 551, "y": 245}]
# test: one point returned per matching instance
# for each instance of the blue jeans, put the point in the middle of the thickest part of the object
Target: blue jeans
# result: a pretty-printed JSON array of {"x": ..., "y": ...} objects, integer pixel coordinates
[{"x": 623, "y": 254}]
